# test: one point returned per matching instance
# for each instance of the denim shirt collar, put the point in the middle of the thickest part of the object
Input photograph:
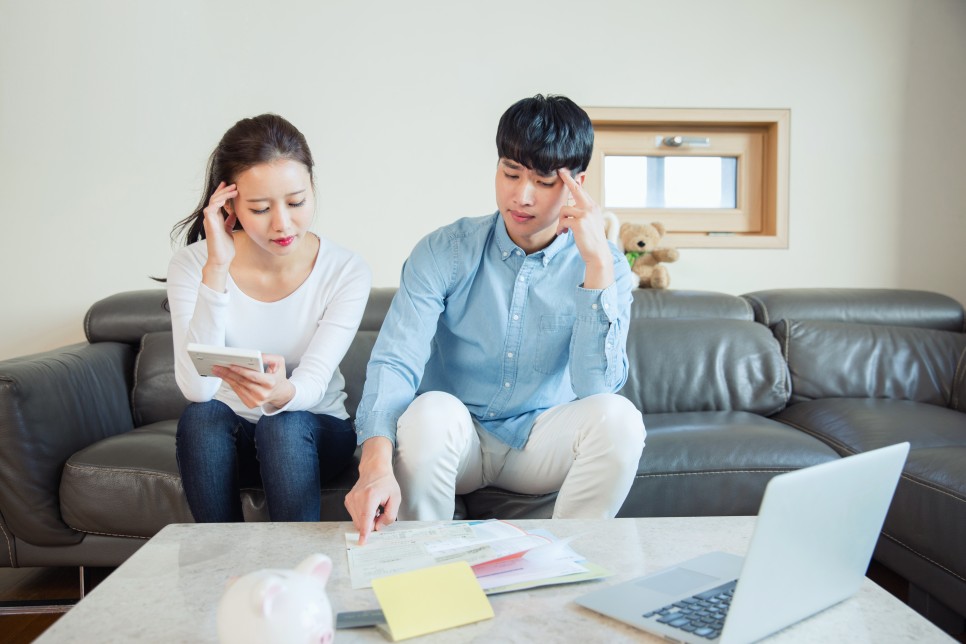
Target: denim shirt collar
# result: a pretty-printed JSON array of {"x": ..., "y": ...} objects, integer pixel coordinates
[{"x": 508, "y": 247}]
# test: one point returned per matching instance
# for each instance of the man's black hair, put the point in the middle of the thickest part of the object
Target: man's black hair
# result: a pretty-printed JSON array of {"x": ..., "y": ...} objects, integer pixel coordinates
[{"x": 545, "y": 133}]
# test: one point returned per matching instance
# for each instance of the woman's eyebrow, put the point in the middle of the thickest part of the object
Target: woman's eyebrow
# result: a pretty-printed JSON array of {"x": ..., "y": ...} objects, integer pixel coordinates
[{"x": 291, "y": 194}]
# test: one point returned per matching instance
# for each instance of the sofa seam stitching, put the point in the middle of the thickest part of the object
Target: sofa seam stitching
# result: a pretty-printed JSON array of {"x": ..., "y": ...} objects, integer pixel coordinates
[
  {"x": 755, "y": 471},
  {"x": 932, "y": 487},
  {"x": 958, "y": 377},
  {"x": 787, "y": 375},
  {"x": 109, "y": 534},
  {"x": 828, "y": 440},
  {"x": 749, "y": 308},
  {"x": 6, "y": 539},
  {"x": 912, "y": 478},
  {"x": 919, "y": 554},
  {"x": 87, "y": 324},
  {"x": 134, "y": 387},
  {"x": 100, "y": 468},
  {"x": 764, "y": 309}
]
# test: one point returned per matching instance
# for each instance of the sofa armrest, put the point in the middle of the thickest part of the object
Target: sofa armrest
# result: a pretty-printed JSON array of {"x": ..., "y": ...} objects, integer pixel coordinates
[{"x": 51, "y": 405}]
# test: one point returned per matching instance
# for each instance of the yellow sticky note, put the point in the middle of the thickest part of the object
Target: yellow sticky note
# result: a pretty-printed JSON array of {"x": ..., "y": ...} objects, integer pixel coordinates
[{"x": 431, "y": 599}]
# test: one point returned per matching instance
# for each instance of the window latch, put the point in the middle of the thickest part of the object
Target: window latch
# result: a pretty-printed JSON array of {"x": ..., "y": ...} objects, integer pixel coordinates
[{"x": 688, "y": 141}]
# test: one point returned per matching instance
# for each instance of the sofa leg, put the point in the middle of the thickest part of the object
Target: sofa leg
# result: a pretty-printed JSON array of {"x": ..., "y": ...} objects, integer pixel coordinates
[{"x": 936, "y": 612}]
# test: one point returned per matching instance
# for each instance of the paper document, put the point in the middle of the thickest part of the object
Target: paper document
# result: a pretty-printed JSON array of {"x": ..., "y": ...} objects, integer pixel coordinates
[
  {"x": 503, "y": 557},
  {"x": 552, "y": 559},
  {"x": 390, "y": 552}
]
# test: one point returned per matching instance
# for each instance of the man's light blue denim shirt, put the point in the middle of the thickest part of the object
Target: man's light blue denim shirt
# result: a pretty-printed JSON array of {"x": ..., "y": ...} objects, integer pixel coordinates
[{"x": 508, "y": 334}]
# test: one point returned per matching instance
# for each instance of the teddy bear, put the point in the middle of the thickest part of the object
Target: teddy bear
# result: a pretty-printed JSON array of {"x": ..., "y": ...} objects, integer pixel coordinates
[{"x": 642, "y": 247}]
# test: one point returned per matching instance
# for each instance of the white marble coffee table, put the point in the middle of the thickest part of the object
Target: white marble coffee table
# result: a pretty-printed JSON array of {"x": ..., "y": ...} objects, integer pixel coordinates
[{"x": 168, "y": 590}]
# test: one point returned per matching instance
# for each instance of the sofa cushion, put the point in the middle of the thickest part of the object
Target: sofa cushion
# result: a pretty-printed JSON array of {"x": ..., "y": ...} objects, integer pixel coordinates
[
  {"x": 332, "y": 507},
  {"x": 155, "y": 395},
  {"x": 715, "y": 463},
  {"x": 834, "y": 359},
  {"x": 496, "y": 503},
  {"x": 138, "y": 472},
  {"x": 928, "y": 513},
  {"x": 681, "y": 365},
  {"x": 127, "y": 485}
]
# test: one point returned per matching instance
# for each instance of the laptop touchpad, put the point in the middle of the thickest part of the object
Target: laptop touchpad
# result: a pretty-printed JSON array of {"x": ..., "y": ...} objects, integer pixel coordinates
[{"x": 676, "y": 581}]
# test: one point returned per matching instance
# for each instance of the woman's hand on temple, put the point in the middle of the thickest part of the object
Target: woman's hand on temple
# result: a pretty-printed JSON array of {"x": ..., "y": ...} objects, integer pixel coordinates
[{"x": 221, "y": 244}]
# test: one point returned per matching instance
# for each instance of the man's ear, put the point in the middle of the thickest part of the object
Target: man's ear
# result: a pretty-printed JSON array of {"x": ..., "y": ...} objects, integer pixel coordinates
[{"x": 579, "y": 177}]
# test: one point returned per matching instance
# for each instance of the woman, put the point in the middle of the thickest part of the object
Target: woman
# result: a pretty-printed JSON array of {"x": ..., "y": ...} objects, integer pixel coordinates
[{"x": 251, "y": 275}]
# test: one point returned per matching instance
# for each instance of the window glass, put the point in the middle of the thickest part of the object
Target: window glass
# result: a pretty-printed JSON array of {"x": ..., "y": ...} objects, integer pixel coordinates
[{"x": 632, "y": 181}]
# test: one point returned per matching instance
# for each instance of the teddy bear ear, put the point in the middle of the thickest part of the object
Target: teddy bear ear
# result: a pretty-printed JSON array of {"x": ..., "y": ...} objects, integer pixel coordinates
[{"x": 659, "y": 227}]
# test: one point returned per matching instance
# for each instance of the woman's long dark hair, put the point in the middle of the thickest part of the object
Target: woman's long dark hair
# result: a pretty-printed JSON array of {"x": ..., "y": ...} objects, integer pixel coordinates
[{"x": 249, "y": 142}]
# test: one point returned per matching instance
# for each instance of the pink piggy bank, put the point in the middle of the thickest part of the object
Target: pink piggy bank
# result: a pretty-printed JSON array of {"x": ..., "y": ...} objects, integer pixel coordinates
[{"x": 275, "y": 606}]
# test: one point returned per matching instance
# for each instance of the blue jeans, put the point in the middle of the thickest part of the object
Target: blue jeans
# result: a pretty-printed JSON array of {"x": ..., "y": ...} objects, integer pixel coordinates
[{"x": 290, "y": 455}]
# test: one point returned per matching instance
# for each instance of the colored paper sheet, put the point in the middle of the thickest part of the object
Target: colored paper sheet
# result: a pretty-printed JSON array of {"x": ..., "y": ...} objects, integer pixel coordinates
[
  {"x": 431, "y": 599},
  {"x": 593, "y": 572}
]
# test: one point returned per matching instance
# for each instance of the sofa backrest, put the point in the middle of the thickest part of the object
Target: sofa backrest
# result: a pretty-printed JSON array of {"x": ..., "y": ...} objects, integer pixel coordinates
[
  {"x": 701, "y": 351},
  {"x": 891, "y": 307},
  {"x": 659, "y": 303},
  {"x": 140, "y": 318},
  {"x": 126, "y": 317},
  {"x": 353, "y": 366},
  {"x": 847, "y": 360},
  {"x": 688, "y": 350}
]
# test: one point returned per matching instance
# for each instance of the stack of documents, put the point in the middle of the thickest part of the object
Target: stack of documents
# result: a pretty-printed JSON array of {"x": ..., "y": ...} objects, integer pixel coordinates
[{"x": 503, "y": 557}]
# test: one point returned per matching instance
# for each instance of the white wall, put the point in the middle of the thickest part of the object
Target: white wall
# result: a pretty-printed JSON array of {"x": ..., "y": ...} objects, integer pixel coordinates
[{"x": 108, "y": 110}]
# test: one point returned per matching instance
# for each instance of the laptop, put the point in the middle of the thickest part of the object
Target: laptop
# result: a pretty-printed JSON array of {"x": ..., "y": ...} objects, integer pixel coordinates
[{"x": 814, "y": 537}]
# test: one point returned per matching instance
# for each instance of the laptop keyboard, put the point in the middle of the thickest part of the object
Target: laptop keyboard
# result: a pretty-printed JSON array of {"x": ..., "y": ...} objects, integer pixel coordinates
[{"x": 702, "y": 614}]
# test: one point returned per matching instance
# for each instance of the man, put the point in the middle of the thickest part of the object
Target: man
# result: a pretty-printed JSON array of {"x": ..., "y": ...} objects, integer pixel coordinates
[{"x": 501, "y": 352}]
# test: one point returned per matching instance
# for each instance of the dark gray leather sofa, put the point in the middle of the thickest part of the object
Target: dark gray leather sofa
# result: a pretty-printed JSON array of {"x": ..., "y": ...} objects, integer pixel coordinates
[
  {"x": 871, "y": 369},
  {"x": 734, "y": 390}
]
